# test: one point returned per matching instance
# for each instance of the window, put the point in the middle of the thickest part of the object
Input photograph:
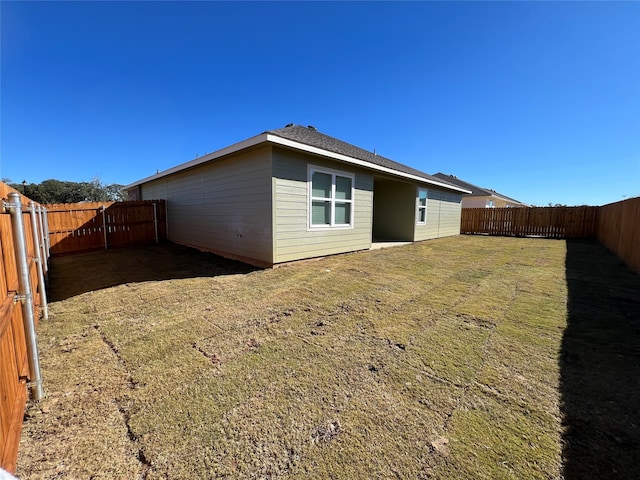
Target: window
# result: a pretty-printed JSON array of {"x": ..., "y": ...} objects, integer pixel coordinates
[
  {"x": 422, "y": 207},
  {"x": 330, "y": 199}
]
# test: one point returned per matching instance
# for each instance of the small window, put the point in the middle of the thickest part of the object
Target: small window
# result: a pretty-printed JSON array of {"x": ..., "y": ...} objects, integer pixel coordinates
[
  {"x": 330, "y": 199},
  {"x": 422, "y": 207}
]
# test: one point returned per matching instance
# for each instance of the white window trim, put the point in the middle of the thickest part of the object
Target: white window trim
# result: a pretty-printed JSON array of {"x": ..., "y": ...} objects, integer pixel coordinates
[
  {"x": 311, "y": 169},
  {"x": 420, "y": 207}
]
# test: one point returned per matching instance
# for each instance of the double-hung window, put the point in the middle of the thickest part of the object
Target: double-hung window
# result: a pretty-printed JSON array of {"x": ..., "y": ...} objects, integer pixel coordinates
[
  {"x": 330, "y": 198},
  {"x": 421, "y": 214}
]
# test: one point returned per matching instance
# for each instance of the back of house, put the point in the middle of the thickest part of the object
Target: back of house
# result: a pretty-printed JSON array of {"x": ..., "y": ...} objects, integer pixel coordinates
[{"x": 295, "y": 193}]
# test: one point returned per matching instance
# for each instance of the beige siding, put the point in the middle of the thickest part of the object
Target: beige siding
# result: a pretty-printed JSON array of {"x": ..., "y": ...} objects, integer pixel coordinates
[
  {"x": 254, "y": 206},
  {"x": 293, "y": 240},
  {"x": 154, "y": 190},
  {"x": 450, "y": 214},
  {"x": 444, "y": 211},
  {"x": 431, "y": 228},
  {"x": 223, "y": 206}
]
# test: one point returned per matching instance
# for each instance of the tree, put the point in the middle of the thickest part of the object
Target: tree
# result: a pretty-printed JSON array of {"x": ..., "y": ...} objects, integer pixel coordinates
[
  {"x": 57, "y": 191},
  {"x": 115, "y": 192}
]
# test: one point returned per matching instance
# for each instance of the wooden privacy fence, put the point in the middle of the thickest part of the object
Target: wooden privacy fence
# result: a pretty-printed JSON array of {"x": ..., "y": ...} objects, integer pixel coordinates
[
  {"x": 77, "y": 227},
  {"x": 615, "y": 225},
  {"x": 619, "y": 230},
  {"x": 548, "y": 222},
  {"x": 23, "y": 263},
  {"x": 25, "y": 244}
]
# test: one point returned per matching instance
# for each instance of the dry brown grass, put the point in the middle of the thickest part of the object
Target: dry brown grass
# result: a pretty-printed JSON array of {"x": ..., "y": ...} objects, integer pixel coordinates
[{"x": 441, "y": 359}]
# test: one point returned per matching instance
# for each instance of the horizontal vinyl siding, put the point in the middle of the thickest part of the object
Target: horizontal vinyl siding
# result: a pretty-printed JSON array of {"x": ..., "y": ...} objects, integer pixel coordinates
[
  {"x": 430, "y": 228},
  {"x": 450, "y": 214},
  {"x": 443, "y": 215},
  {"x": 223, "y": 206},
  {"x": 154, "y": 191},
  {"x": 293, "y": 240}
]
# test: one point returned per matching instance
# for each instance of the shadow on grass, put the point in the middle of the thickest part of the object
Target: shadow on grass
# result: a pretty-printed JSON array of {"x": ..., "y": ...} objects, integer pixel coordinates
[
  {"x": 73, "y": 275},
  {"x": 600, "y": 366}
]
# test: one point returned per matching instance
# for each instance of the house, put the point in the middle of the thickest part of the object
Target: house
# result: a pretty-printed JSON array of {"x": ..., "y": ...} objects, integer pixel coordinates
[
  {"x": 295, "y": 193},
  {"x": 480, "y": 197}
]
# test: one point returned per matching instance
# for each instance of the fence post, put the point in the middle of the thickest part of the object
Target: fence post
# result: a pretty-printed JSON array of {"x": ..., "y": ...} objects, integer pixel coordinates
[
  {"x": 37, "y": 247},
  {"x": 104, "y": 225},
  {"x": 24, "y": 294},
  {"x": 155, "y": 221}
]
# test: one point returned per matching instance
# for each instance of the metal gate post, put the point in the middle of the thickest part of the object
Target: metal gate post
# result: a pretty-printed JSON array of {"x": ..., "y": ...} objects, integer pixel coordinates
[
  {"x": 37, "y": 246},
  {"x": 46, "y": 234},
  {"x": 24, "y": 294},
  {"x": 43, "y": 241}
]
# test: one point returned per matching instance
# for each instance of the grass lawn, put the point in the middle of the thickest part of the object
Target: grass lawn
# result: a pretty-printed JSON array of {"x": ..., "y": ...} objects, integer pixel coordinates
[{"x": 464, "y": 357}]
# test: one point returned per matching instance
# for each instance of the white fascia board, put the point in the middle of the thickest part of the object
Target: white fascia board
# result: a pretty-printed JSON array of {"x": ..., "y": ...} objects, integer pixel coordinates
[
  {"x": 236, "y": 147},
  {"x": 266, "y": 137},
  {"x": 356, "y": 161}
]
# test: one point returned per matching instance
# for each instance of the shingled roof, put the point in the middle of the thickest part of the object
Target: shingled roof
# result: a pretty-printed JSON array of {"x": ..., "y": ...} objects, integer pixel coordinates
[
  {"x": 310, "y": 140},
  {"x": 310, "y": 136},
  {"x": 476, "y": 191}
]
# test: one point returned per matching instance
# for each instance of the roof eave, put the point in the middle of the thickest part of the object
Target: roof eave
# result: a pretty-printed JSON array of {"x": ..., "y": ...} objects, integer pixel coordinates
[
  {"x": 236, "y": 147},
  {"x": 356, "y": 161},
  {"x": 275, "y": 139}
]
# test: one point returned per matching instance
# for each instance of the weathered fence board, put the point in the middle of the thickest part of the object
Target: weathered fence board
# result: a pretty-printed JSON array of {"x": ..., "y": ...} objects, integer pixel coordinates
[
  {"x": 78, "y": 227},
  {"x": 14, "y": 365}
]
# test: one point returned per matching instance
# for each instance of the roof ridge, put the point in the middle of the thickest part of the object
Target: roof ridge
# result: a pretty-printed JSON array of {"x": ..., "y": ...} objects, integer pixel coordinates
[{"x": 311, "y": 140}]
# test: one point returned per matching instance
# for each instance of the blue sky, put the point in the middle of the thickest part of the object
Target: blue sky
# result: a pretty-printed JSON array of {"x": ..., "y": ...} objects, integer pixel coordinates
[{"x": 539, "y": 101}]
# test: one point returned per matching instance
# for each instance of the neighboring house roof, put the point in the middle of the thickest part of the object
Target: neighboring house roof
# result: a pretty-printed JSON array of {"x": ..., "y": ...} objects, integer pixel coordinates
[
  {"x": 476, "y": 191},
  {"x": 308, "y": 139}
]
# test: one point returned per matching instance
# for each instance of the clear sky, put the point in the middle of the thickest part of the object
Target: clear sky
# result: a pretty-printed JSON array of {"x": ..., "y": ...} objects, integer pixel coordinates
[{"x": 539, "y": 101}]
